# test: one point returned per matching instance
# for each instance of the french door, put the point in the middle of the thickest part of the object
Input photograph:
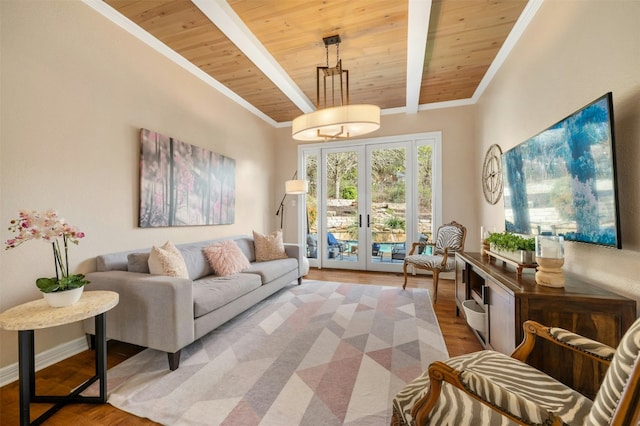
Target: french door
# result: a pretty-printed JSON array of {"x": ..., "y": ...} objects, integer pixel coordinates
[{"x": 369, "y": 201}]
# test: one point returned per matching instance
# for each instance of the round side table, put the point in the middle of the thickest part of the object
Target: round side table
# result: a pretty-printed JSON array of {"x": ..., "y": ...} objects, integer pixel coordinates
[{"x": 38, "y": 314}]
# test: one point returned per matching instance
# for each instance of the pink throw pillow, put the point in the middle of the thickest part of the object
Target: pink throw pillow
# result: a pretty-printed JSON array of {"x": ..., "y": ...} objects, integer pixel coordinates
[{"x": 226, "y": 258}]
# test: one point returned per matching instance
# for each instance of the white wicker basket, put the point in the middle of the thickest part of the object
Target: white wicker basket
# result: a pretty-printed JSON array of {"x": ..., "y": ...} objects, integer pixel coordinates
[{"x": 476, "y": 317}]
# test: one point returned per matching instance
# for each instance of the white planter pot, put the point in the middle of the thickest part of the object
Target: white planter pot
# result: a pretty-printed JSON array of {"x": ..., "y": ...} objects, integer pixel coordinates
[
  {"x": 59, "y": 299},
  {"x": 520, "y": 256}
]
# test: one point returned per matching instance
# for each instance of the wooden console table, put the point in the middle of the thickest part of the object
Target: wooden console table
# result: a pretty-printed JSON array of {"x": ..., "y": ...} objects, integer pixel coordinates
[
  {"x": 509, "y": 299},
  {"x": 38, "y": 314}
]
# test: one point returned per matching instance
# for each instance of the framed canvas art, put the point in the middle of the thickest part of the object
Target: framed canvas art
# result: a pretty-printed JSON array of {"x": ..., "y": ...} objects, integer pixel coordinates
[{"x": 183, "y": 184}]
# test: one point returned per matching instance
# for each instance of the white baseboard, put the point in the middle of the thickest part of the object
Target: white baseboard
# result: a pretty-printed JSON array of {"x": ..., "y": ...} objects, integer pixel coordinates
[{"x": 44, "y": 359}]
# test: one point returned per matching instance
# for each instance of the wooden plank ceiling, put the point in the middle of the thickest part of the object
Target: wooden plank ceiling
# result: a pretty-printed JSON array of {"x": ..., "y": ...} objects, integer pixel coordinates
[{"x": 464, "y": 37}]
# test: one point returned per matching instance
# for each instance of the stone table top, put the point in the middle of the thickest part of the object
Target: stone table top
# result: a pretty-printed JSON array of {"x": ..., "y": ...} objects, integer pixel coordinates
[{"x": 38, "y": 314}]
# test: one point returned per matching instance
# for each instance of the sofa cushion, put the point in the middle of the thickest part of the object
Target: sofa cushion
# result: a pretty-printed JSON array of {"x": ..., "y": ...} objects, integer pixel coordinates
[
  {"x": 167, "y": 260},
  {"x": 210, "y": 293},
  {"x": 269, "y": 247},
  {"x": 196, "y": 261},
  {"x": 273, "y": 269},
  {"x": 248, "y": 248},
  {"x": 138, "y": 262},
  {"x": 226, "y": 258}
]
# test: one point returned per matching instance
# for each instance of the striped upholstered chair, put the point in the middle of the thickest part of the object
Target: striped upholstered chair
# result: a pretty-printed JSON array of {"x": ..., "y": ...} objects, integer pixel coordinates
[
  {"x": 490, "y": 388},
  {"x": 449, "y": 239}
]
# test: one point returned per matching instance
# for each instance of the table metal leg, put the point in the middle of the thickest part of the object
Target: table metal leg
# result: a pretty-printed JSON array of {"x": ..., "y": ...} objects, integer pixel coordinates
[
  {"x": 26, "y": 374},
  {"x": 101, "y": 355}
]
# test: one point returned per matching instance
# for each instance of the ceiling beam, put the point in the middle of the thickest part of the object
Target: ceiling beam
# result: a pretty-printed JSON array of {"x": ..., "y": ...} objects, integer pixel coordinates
[
  {"x": 518, "y": 28},
  {"x": 132, "y": 28},
  {"x": 417, "y": 32},
  {"x": 224, "y": 17}
]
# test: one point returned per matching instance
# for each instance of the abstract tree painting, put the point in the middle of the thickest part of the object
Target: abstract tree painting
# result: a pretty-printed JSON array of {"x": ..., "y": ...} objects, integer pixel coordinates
[{"x": 182, "y": 184}]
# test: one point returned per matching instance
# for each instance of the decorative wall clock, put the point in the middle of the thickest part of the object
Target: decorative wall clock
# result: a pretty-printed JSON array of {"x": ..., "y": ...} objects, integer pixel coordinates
[{"x": 492, "y": 174}]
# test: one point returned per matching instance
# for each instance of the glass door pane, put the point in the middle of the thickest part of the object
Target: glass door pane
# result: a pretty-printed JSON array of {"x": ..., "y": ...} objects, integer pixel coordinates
[
  {"x": 311, "y": 233},
  {"x": 341, "y": 201},
  {"x": 425, "y": 194},
  {"x": 388, "y": 205}
]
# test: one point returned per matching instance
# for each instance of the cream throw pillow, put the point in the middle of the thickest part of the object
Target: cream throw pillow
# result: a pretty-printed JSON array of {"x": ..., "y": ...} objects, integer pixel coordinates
[
  {"x": 269, "y": 247},
  {"x": 226, "y": 258},
  {"x": 167, "y": 260}
]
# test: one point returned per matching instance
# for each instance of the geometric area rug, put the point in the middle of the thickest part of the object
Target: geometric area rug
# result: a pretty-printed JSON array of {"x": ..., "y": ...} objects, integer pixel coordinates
[{"x": 322, "y": 353}]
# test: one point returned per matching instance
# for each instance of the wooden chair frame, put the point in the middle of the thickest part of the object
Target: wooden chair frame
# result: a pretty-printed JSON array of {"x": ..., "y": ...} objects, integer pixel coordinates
[
  {"x": 627, "y": 412},
  {"x": 436, "y": 271}
]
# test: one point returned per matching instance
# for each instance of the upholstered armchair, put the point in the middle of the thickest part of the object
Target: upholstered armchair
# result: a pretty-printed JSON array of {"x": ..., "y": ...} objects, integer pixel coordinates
[
  {"x": 449, "y": 239},
  {"x": 491, "y": 388}
]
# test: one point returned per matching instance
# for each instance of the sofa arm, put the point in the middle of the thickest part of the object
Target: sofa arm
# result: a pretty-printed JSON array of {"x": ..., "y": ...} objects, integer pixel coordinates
[
  {"x": 154, "y": 311},
  {"x": 295, "y": 251}
]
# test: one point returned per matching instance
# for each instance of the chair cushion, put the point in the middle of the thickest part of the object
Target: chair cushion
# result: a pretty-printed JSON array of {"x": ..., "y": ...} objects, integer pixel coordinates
[
  {"x": 617, "y": 377},
  {"x": 454, "y": 407},
  {"x": 430, "y": 262},
  {"x": 449, "y": 236}
]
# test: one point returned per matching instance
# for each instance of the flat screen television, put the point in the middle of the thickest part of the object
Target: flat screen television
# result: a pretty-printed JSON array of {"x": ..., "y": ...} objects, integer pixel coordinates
[{"x": 563, "y": 180}]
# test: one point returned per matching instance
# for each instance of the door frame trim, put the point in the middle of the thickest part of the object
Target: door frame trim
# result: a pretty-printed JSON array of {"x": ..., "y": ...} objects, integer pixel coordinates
[{"x": 415, "y": 138}]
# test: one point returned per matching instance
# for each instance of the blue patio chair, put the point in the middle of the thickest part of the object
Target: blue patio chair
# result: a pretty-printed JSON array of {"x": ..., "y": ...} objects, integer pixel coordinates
[
  {"x": 399, "y": 251},
  {"x": 334, "y": 246}
]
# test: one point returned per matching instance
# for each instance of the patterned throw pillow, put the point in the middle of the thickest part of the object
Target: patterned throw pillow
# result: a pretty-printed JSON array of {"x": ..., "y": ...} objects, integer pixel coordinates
[
  {"x": 167, "y": 260},
  {"x": 269, "y": 247},
  {"x": 226, "y": 258}
]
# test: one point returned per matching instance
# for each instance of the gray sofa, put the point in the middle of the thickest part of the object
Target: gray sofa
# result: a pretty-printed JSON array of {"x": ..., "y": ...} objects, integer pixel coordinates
[{"x": 167, "y": 313}]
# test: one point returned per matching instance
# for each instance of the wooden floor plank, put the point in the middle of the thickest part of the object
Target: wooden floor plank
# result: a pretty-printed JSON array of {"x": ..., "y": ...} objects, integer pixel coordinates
[{"x": 66, "y": 375}]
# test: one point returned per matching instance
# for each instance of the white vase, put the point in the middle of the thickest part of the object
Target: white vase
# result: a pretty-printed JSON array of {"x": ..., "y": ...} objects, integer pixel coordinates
[{"x": 59, "y": 299}]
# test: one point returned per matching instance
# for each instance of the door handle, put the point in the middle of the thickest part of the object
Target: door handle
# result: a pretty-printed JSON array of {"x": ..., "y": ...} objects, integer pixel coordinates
[
  {"x": 368, "y": 221},
  {"x": 360, "y": 221}
]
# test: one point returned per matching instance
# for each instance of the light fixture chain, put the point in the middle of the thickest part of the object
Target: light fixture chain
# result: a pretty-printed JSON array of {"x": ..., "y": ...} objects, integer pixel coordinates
[{"x": 326, "y": 48}]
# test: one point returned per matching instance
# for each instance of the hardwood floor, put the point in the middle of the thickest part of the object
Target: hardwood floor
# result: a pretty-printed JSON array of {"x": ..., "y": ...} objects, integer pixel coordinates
[{"x": 62, "y": 377}]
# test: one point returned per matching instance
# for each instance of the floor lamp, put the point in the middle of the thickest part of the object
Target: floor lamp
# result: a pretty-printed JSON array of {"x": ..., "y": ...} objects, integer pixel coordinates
[{"x": 291, "y": 187}]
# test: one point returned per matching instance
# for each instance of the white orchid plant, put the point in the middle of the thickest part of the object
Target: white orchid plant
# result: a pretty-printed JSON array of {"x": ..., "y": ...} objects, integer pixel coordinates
[{"x": 50, "y": 228}]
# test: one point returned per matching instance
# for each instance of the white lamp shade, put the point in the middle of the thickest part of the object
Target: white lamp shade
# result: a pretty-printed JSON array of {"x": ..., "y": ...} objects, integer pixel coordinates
[
  {"x": 343, "y": 121},
  {"x": 296, "y": 187}
]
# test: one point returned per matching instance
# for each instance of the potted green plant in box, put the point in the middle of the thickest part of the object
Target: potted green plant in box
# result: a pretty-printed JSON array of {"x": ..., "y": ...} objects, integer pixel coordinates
[
  {"x": 65, "y": 288},
  {"x": 512, "y": 246}
]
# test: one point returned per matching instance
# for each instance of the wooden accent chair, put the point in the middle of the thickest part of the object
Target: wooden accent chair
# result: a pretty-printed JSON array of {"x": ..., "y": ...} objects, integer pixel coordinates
[
  {"x": 449, "y": 239},
  {"x": 489, "y": 385}
]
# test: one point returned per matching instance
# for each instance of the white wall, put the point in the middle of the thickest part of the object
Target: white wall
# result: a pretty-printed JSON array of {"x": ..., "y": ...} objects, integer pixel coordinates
[
  {"x": 572, "y": 53},
  {"x": 76, "y": 89}
]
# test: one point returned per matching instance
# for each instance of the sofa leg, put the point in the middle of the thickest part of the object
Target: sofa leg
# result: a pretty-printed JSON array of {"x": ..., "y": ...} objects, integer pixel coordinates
[
  {"x": 299, "y": 280},
  {"x": 174, "y": 360}
]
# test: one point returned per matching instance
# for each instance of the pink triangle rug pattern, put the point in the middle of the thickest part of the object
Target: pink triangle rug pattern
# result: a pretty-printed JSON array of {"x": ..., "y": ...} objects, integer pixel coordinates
[{"x": 322, "y": 353}]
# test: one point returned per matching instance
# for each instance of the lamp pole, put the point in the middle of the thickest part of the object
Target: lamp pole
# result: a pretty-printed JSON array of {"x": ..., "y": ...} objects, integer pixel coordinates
[{"x": 280, "y": 211}]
